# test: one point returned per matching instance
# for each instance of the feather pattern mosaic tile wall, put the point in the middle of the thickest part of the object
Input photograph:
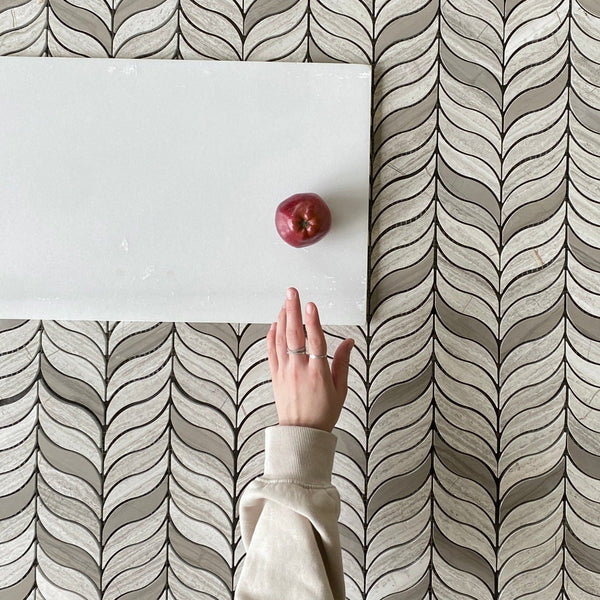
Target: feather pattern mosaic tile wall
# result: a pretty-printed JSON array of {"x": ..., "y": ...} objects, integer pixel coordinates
[{"x": 469, "y": 449}]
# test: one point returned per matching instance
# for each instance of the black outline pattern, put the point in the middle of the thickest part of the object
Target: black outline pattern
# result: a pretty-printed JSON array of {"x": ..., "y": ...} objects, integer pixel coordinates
[{"x": 468, "y": 456}]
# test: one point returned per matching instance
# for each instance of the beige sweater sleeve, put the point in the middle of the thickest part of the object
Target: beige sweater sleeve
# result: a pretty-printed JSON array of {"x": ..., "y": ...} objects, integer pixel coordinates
[{"x": 289, "y": 521}]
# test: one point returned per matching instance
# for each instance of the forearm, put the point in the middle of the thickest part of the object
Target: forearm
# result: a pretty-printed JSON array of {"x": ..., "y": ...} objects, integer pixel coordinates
[{"x": 288, "y": 520}]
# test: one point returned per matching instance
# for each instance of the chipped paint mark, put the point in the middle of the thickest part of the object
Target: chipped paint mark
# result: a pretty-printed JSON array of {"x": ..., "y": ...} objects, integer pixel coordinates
[{"x": 148, "y": 272}]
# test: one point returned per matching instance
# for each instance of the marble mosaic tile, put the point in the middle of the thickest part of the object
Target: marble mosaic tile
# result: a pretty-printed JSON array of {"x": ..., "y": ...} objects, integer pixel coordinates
[{"x": 468, "y": 458}]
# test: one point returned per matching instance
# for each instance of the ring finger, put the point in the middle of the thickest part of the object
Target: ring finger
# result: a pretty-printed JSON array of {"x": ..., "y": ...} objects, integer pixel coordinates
[{"x": 316, "y": 339}]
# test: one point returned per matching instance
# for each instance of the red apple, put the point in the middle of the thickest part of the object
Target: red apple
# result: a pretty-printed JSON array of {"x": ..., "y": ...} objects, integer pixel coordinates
[{"x": 302, "y": 219}]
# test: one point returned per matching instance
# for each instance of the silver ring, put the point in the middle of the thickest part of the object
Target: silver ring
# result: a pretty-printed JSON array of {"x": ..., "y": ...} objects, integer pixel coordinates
[
  {"x": 299, "y": 351},
  {"x": 317, "y": 355}
]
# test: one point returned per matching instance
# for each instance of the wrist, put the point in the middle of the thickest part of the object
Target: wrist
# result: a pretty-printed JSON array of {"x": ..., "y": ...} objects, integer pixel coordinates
[{"x": 300, "y": 453}]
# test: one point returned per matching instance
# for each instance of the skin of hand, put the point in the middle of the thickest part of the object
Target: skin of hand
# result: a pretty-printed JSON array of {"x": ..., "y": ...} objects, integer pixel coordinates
[{"x": 307, "y": 391}]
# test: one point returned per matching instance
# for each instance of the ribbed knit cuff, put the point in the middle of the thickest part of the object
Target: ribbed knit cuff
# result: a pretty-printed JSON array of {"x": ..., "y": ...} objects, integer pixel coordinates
[{"x": 303, "y": 454}]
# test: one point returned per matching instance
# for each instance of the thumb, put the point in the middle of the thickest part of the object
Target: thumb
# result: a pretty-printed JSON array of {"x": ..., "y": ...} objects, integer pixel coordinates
[{"x": 339, "y": 367}]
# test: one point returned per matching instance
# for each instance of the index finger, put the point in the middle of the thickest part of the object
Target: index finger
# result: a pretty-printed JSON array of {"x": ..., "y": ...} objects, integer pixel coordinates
[
  {"x": 294, "y": 331},
  {"x": 272, "y": 350}
]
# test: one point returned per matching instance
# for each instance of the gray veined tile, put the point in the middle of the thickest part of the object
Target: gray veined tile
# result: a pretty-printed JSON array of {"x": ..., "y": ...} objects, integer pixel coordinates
[
  {"x": 65, "y": 565},
  {"x": 465, "y": 535},
  {"x": 204, "y": 572},
  {"x": 188, "y": 463},
  {"x": 465, "y": 322},
  {"x": 465, "y": 472},
  {"x": 17, "y": 361},
  {"x": 459, "y": 193},
  {"x": 584, "y": 437},
  {"x": 584, "y": 509},
  {"x": 398, "y": 511},
  {"x": 465, "y": 441},
  {"x": 283, "y": 36},
  {"x": 483, "y": 24},
  {"x": 132, "y": 432},
  {"x": 394, "y": 26},
  {"x": 583, "y": 240},
  {"x": 536, "y": 579},
  {"x": 519, "y": 345},
  {"x": 463, "y": 569},
  {"x": 586, "y": 413},
  {"x": 585, "y": 253},
  {"x": 517, "y": 298},
  {"x": 526, "y": 508},
  {"x": 202, "y": 439},
  {"x": 136, "y": 460},
  {"x": 133, "y": 345},
  {"x": 529, "y": 145},
  {"x": 350, "y": 520},
  {"x": 470, "y": 73},
  {"x": 465, "y": 513},
  {"x": 409, "y": 231},
  {"x": 468, "y": 374},
  {"x": 519, "y": 432},
  {"x": 404, "y": 279},
  {"x": 400, "y": 556},
  {"x": 582, "y": 368},
  {"x": 467, "y": 396},
  {"x": 464, "y": 46},
  {"x": 401, "y": 449},
  {"x": 538, "y": 375},
  {"x": 133, "y": 488},
  {"x": 402, "y": 350},
  {"x": 401, "y": 482},
  {"x": 69, "y": 461},
  {"x": 132, "y": 514},
  {"x": 396, "y": 396},
  {"x": 339, "y": 36},
  {"x": 12, "y": 573},
  {"x": 529, "y": 100},
  {"x": 18, "y": 512},
  {"x": 15, "y": 334},
  {"x": 18, "y": 426},
  {"x": 536, "y": 39},
  {"x": 541, "y": 523},
  {"x": 157, "y": 22}
]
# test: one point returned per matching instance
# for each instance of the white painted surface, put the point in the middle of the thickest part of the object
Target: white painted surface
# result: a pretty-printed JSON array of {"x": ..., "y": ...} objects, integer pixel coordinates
[{"x": 146, "y": 189}]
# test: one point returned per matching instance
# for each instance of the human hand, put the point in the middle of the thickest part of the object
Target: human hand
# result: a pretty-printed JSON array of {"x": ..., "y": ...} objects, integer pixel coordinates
[{"x": 307, "y": 392}]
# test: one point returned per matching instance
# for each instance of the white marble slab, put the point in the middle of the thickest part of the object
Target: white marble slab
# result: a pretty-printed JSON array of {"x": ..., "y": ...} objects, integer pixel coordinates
[{"x": 146, "y": 189}]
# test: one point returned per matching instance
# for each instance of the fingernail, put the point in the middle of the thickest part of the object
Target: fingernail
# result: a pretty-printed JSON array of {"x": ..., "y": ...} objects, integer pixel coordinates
[
  {"x": 310, "y": 308},
  {"x": 290, "y": 294},
  {"x": 272, "y": 326}
]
